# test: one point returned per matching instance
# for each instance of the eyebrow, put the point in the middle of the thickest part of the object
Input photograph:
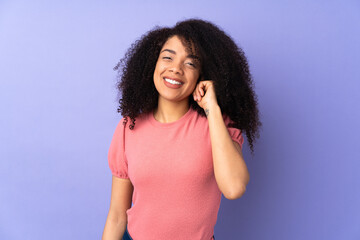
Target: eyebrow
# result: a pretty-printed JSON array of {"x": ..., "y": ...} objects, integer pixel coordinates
[{"x": 173, "y": 52}]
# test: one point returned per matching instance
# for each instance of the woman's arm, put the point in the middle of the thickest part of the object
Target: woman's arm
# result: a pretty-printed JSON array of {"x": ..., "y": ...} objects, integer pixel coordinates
[
  {"x": 121, "y": 197},
  {"x": 231, "y": 173},
  {"x": 230, "y": 169}
]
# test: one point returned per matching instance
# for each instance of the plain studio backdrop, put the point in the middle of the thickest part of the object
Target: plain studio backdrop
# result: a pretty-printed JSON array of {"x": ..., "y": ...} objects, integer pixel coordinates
[{"x": 58, "y": 114}]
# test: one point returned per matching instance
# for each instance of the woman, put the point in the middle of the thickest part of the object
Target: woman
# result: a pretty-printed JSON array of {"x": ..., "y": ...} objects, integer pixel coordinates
[{"x": 190, "y": 92}]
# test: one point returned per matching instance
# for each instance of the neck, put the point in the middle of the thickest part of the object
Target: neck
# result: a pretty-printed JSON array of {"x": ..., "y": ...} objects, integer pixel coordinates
[{"x": 167, "y": 111}]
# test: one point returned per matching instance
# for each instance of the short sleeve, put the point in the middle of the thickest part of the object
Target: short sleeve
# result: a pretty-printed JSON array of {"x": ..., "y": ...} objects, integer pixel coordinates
[
  {"x": 235, "y": 133},
  {"x": 116, "y": 156}
]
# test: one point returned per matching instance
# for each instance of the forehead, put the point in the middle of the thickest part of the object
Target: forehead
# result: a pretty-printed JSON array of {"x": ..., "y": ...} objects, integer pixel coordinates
[{"x": 178, "y": 44}]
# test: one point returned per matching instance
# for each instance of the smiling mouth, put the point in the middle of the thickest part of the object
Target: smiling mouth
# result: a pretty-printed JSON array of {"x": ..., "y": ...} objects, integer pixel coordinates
[{"x": 173, "y": 81}]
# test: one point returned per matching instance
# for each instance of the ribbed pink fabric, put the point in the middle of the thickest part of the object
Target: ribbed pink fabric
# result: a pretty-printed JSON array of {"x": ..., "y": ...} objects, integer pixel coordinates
[{"x": 171, "y": 168}]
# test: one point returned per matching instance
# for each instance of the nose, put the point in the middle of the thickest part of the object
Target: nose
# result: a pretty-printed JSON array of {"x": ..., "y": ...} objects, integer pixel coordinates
[{"x": 176, "y": 68}]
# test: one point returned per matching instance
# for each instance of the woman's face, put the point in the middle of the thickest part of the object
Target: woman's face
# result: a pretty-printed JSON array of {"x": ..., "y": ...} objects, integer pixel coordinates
[{"x": 176, "y": 72}]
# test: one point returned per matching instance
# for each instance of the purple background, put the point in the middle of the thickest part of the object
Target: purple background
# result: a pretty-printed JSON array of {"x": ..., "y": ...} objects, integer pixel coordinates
[{"x": 58, "y": 114}]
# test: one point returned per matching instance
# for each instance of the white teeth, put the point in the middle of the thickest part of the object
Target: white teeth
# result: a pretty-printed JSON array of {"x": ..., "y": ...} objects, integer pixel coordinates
[{"x": 172, "y": 81}]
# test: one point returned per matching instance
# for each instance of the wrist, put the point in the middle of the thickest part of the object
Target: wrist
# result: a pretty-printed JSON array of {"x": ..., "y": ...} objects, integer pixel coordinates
[{"x": 212, "y": 109}]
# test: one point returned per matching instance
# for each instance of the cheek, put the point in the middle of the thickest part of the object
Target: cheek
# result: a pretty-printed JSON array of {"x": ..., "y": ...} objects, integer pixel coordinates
[
  {"x": 157, "y": 70},
  {"x": 193, "y": 84},
  {"x": 194, "y": 78}
]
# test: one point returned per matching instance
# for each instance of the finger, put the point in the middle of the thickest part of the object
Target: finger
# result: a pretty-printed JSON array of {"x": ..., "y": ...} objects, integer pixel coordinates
[
  {"x": 199, "y": 90},
  {"x": 196, "y": 89},
  {"x": 196, "y": 94},
  {"x": 199, "y": 86}
]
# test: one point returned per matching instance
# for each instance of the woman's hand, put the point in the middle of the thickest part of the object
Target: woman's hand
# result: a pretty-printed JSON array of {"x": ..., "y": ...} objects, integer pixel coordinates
[{"x": 204, "y": 94}]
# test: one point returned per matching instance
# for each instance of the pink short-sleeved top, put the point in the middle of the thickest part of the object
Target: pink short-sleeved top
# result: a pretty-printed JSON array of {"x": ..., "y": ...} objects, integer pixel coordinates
[{"x": 171, "y": 168}]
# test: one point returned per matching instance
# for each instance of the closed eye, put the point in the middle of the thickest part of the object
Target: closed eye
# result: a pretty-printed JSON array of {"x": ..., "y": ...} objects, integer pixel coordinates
[
  {"x": 166, "y": 57},
  {"x": 192, "y": 64}
]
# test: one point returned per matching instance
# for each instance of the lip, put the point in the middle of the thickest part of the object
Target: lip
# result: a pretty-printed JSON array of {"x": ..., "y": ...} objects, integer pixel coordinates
[
  {"x": 176, "y": 79},
  {"x": 169, "y": 85}
]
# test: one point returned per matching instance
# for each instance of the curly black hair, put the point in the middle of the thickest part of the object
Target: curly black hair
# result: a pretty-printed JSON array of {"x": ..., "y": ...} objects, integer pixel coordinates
[{"x": 221, "y": 60}]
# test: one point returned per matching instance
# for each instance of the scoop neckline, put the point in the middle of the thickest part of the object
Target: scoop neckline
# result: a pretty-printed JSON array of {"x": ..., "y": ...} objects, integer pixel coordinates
[{"x": 156, "y": 123}]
